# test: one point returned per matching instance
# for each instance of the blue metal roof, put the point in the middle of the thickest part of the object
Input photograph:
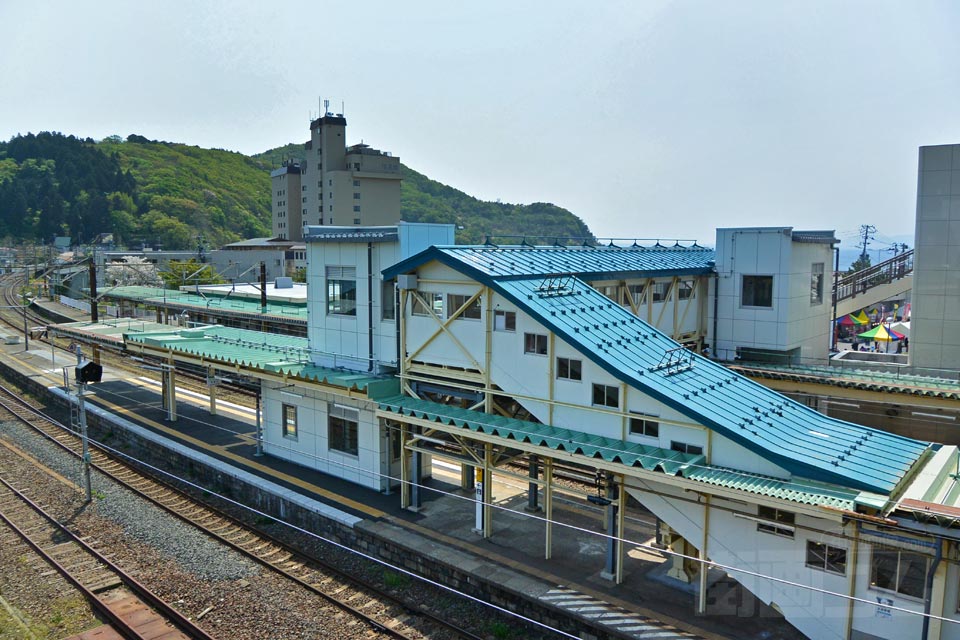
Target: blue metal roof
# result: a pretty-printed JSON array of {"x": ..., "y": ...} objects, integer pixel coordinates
[
  {"x": 804, "y": 442},
  {"x": 590, "y": 263}
]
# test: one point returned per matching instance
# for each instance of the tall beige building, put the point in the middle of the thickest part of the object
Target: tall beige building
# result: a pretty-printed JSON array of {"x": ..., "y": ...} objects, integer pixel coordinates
[
  {"x": 286, "y": 203},
  {"x": 338, "y": 185},
  {"x": 935, "y": 318}
]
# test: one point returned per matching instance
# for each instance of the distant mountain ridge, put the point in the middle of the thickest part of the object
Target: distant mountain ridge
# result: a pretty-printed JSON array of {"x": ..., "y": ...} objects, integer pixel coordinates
[{"x": 175, "y": 195}]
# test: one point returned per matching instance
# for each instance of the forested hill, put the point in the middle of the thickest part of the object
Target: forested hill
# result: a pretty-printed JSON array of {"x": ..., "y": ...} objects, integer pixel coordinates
[{"x": 168, "y": 193}]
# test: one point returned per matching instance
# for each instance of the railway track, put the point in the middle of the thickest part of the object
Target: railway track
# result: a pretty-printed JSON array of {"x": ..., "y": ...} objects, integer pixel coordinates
[
  {"x": 12, "y": 315},
  {"x": 381, "y": 611},
  {"x": 130, "y": 608}
]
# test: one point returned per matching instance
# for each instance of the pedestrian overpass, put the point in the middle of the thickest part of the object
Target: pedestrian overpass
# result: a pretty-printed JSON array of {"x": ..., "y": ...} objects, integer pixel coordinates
[{"x": 872, "y": 285}]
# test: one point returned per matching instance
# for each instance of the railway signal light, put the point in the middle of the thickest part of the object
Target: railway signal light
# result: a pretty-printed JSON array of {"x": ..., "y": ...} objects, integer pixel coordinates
[{"x": 88, "y": 371}]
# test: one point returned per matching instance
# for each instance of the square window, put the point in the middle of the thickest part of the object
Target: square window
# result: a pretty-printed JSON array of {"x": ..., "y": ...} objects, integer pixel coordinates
[
  {"x": 757, "y": 291},
  {"x": 455, "y": 301},
  {"x": 816, "y": 283},
  {"x": 356, "y": 208},
  {"x": 661, "y": 290},
  {"x": 504, "y": 320},
  {"x": 435, "y": 300},
  {"x": 636, "y": 292},
  {"x": 356, "y": 196},
  {"x": 779, "y": 523},
  {"x": 343, "y": 425},
  {"x": 643, "y": 424},
  {"x": 605, "y": 395},
  {"x": 289, "y": 421},
  {"x": 535, "y": 343},
  {"x": 356, "y": 183},
  {"x": 685, "y": 289},
  {"x": 903, "y": 572},
  {"x": 341, "y": 291},
  {"x": 569, "y": 369},
  {"x": 825, "y": 557}
]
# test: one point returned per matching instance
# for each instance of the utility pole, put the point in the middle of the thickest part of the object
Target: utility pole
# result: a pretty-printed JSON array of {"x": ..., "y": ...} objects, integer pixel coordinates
[
  {"x": 82, "y": 420},
  {"x": 94, "y": 312},
  {"x": 23, "y": 301},
  {"x": 866, "y": 234}
]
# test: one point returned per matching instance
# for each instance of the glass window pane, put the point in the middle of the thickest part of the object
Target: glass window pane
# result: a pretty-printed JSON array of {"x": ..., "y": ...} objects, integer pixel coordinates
[
  {"x": 913, "y": 573},
  {"x": 837, "y": 560},
  {"x": 816, "y": 555},
  {"x": 883, "y": 570}
]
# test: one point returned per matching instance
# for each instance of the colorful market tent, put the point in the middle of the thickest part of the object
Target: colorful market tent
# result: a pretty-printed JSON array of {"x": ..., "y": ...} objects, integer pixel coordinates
[
  {"x": 880, "y": 333},
  {"x": 851, "y": 320}
]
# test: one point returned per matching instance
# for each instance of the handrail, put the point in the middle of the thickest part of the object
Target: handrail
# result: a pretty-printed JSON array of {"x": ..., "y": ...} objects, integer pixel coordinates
[{"x": 854, "y": 284}]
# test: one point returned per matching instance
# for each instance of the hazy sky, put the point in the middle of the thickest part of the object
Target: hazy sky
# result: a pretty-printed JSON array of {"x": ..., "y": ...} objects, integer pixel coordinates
[{"x": 647, "y": 119}]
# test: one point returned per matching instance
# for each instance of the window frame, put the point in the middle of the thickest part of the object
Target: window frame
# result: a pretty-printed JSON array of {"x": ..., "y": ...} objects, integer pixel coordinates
[
  {"x": 661, "y": 291},
  {"x": 432, "y": 297},
  {"x": 605, "y": 390},
  {"x": 754, "y": 294},
  {"x": 285, "y": 423},
  {"x": 772, "y": 517},
  {"x": 506, "y": 315},
  {"x": 898, "y": 578},
  {"x": 533, "y": 348},
  {"x": 647, "y": 422},
  {"x": 686, "y": 447},
  {"x": 388, "y": 309},
  {"x": 816, "y": 283},
  {"x": 574, "y": 373},
  {"x": 344, "y": 417},
  {"x": 336, "y": 299},
  {"x": 822, "y": 555},
  {"x": 457, "y": 300}
]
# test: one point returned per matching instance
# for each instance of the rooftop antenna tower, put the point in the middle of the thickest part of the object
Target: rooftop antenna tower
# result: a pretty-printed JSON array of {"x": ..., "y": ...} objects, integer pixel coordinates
[
  {"x": 342, "y": 109},
  {"x": 326, "y": 107}
]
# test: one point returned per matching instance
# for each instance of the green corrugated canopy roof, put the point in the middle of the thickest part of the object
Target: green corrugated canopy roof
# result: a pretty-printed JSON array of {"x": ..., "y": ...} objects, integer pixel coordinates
[{"x": 630, "y": 454}]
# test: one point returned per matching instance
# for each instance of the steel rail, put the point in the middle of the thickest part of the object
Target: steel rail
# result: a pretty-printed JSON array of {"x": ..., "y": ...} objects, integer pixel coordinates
[
  {"x": 173, "y": 616},
  {"x": 289, "y": 555}
]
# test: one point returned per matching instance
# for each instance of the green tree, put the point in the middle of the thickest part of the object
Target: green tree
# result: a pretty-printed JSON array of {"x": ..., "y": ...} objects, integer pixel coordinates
[
  {"x": 861, "y": 263},
  {"x": 190, "y": 272}
]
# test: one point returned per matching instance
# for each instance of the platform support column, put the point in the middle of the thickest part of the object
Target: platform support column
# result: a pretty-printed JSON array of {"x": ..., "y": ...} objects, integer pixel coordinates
[
  {"x": 258, "y": 410},
  {"x": 487, "y": 489},
  {"x": 212, "y": 390},
  {"x": 610, "y": 569},
  {"x": 416, "y": 466},
  {"x": 533, "y": 489},
  {"x": 704, "y": 567},
  {"x": 466, "y": 476},
  {"x": 404, "y": 469},
  {"x": 169, "y": 388},
  {"x": 548, "y": 505}
]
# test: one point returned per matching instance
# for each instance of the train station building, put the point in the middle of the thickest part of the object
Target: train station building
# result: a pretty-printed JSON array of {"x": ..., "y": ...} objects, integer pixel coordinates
[{"x": 518, "y": 360}]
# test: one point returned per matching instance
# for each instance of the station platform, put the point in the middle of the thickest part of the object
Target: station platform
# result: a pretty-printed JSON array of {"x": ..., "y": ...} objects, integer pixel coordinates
[{"x": 646, "y": 605}]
